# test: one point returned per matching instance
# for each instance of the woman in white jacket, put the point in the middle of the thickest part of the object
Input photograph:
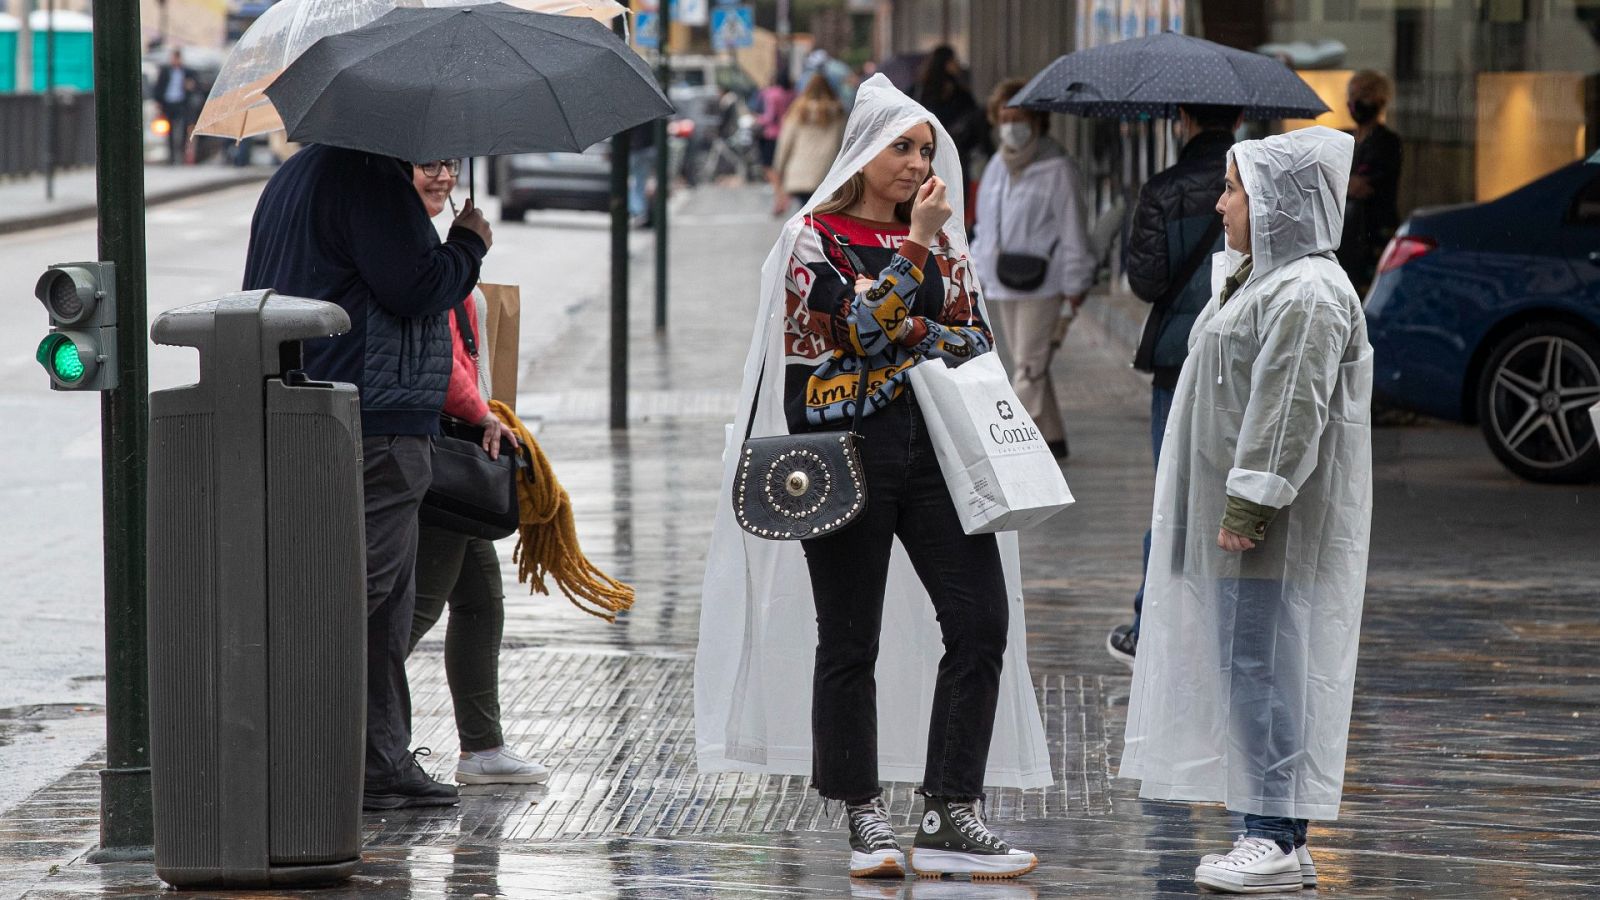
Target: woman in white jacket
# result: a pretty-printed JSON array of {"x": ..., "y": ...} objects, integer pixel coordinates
[
  {"x": 1031, "y": 252},
  {"x": 1252, "y": 614}
]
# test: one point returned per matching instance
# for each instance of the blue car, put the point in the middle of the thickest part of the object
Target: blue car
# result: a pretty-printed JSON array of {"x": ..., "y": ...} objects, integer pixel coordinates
[{"x": 1490, "y": 314}]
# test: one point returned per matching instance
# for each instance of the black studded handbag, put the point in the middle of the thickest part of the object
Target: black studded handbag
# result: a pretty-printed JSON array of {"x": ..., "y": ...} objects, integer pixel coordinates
[{"x": 792, "y": 487}]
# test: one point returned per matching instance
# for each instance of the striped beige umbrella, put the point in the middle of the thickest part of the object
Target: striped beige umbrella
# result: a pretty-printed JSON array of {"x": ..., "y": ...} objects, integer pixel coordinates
[{"x": 238, "y": 106}]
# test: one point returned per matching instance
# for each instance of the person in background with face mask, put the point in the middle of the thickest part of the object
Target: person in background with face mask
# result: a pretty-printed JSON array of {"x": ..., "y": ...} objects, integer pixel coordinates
[
  {"x": 1372, "y": 212},
  {"x": 1032, "y": 252}
]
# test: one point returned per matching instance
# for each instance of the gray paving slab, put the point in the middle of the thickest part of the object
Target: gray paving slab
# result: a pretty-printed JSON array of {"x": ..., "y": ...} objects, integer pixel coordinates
[{"x": 1473, "y": 759}]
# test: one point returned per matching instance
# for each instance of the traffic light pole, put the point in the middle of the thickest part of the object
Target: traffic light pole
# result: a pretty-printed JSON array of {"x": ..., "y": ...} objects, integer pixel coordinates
[
  {"x": 621, "y": 160},
  {"x": 663, "y": 158},
  {"x": 126, "y": 828}
]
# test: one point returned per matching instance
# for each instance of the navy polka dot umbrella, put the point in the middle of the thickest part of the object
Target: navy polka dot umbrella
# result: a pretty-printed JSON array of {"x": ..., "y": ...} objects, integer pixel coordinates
[{"x": 1152, "y": 76}]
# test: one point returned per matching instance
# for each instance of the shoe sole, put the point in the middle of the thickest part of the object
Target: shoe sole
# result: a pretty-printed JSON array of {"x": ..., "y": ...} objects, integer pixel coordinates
[
  {"x": 501, "y": 779},
  {"x": 1237, "y": 883},
  {"x": 939, "y": 863},
  {"x": 404, "y": 801},
  {"x": 1124, "y": 658},
  {"x": 868, "y": 865}
]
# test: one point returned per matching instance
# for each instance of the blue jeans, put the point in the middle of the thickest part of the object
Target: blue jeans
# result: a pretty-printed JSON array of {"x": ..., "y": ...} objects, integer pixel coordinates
[
  {"x": 1160, "y": 408},
  {"x": 1264, "y": 731},
  {"x": 1288, "y": 833},
  {"x": 640, "y": 164}
]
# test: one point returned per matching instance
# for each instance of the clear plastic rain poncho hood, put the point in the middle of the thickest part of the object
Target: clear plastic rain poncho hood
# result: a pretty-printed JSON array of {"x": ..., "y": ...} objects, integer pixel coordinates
[
  {"x": 1242, "y": 685},
  {"x": 757, "y": 620}
]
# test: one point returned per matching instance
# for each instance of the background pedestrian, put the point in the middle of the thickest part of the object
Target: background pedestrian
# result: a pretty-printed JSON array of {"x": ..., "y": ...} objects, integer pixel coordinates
[
  {"x": 1372, "y": 212},
  {"x": 773, "y": 100},
  {"x": 941, "y": 89},
  {"x": 176, "y": 90},
  {"x": 1031, "y": 252},
  {"x": 463, "y": 572},
  {"x": 812, "y": 132},
  {"x": 1174, "y": 232},
  {"x": 348, "y": 227}
]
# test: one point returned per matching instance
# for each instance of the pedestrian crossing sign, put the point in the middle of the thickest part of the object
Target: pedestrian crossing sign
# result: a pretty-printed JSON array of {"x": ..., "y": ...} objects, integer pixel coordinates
[{"x": 733, "y": 27}]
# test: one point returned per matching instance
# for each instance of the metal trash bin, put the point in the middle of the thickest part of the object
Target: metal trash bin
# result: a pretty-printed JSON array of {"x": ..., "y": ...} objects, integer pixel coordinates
[{"x": 257, "y": 602}]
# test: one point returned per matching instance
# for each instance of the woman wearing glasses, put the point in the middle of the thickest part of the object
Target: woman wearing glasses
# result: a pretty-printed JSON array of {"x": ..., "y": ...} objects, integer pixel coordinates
[{"x": 463, "y": 572}]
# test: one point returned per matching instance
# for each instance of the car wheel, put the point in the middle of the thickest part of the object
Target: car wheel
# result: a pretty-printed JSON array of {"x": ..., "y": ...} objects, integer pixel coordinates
[
  {"x": 1534, "y": 399},
  {"x": 511, "y": 213}
]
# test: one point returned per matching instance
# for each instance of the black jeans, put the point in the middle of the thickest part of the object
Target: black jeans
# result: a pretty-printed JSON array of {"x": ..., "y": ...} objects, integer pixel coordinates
[
  {"x": 465, "y": 573},
  {"x": 396, "y": 473},
  {"x": 906, "y": 498}
]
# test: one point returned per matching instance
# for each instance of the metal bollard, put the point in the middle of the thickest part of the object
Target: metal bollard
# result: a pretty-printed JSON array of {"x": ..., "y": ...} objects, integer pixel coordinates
[{"x": 257, "y": 602}]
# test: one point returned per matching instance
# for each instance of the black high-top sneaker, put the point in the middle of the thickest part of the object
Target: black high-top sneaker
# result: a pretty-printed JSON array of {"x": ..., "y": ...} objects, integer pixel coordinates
[
  {"x": 953, "y": 841},
  {"x": 874, "y": 852}
]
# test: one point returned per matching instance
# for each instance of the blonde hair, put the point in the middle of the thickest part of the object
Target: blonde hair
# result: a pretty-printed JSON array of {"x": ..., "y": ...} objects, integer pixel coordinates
[
  {"x": 850, "y": 193},
  {"x": 818, "y": 104}
]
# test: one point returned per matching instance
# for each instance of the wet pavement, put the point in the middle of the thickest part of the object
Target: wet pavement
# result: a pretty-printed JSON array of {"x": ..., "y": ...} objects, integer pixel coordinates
[{"x": 1474, "y": 758}]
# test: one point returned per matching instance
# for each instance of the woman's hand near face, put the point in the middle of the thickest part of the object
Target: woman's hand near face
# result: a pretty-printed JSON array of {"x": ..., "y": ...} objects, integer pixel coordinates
[{"x": 929, "y": 211}]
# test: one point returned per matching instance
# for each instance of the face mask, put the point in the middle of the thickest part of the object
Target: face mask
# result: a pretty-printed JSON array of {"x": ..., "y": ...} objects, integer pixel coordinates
[
  {"x": 1015, "y": 134},
  {"x": 1363, "y": 112}
]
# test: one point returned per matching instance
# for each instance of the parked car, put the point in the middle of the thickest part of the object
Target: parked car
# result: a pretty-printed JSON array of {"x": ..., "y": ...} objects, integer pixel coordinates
[
  {"x": 580, "y": 181},
  {"x": 1490, "y": 314}
]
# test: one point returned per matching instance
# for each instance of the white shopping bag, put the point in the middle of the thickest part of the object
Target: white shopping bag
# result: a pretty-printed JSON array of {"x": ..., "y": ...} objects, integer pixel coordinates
[{"x": 1001, "y": 474}]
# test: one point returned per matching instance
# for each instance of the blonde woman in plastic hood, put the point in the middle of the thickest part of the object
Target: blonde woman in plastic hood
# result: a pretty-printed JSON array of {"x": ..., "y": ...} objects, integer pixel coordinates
[
  {"x": 824, "y": 657},
  {"x": 1242, "y": 685}
]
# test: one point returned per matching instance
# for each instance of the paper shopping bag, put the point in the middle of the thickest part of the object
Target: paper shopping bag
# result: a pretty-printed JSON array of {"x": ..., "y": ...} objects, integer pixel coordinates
[
  {"x": 504, "y": 326},
  {"x": 1000, "y": 473}
]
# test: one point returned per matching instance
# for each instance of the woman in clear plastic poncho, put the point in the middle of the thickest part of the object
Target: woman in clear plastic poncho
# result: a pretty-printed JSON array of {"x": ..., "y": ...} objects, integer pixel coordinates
[
  {"x": 762, "y": 617},
  {"x": 1242, "y": 686}
]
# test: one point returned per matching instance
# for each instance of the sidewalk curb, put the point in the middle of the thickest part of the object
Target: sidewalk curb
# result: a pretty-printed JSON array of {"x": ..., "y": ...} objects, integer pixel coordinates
[{"x": 80, "y": 212}]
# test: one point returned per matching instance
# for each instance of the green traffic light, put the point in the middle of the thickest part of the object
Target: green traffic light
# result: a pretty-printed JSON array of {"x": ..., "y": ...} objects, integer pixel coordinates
[{"x": 60, "y": 355}]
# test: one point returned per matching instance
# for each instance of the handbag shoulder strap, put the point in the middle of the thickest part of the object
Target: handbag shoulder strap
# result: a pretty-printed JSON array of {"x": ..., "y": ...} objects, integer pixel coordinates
[{"x": 468, "y": 339}]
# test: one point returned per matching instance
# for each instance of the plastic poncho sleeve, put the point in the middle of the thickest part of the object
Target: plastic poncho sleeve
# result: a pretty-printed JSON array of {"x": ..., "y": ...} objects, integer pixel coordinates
[{"x": 1291, "y": 383}]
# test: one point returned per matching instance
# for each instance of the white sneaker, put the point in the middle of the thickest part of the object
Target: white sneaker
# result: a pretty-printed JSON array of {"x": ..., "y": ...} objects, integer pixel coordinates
[
  {"x": 1254, "y": 866},
  {"x": 1308, "y": 868},
  {"x": 499, "y": 767}
]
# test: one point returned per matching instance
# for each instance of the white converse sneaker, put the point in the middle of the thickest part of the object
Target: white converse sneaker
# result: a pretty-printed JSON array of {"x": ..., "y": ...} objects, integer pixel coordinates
[
  {"x": 1254, "y": 866},
  {"x": 1308, "y": 868},
  {"x": 954, "y": 841},
  {"x": 874, "y": 851},
  {"x": 499, "y": 767}
]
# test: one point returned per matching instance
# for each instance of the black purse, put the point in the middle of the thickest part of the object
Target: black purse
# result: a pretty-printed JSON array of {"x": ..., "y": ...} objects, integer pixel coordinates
[
  {"x": 471, "y": 493},
  {"x": 791, "y": 487},
  {"x": 1019, "y": 271}
]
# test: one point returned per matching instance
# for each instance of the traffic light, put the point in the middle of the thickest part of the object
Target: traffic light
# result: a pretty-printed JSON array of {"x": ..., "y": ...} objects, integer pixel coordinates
[{"x": 80, "y": 352}]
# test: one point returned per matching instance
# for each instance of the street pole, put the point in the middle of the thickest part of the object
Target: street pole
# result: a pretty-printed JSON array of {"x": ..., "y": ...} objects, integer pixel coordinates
[
  {"x": 664, "y": 75},
  {"x": 126, "y": 828},
  {"x": 50, "y": 100},
  {"x": 621, "y": 158}
]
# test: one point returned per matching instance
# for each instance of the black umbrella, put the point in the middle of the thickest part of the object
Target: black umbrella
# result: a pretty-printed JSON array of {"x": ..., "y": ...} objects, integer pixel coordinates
[
  {"x": 1152, "y": 76},
  {"x": 437, "y": 83}
]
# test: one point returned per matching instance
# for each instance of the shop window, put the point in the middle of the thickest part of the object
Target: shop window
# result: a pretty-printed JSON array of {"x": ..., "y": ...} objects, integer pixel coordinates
[
  {"x": 1332, "y": 87},
  {"x": 1528, "y": 125}
]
